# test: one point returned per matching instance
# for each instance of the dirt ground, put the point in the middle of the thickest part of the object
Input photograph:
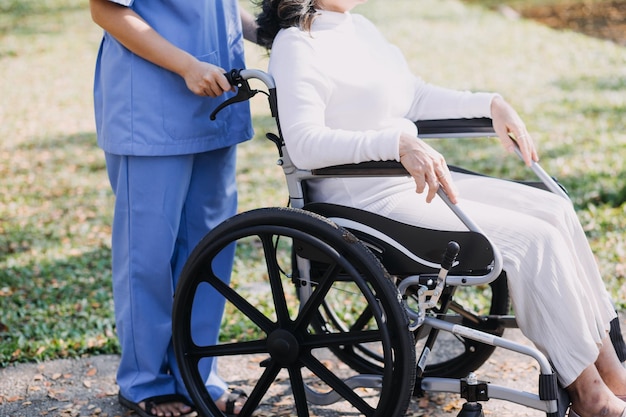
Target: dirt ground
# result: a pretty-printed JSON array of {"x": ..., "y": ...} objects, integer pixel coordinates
[
  {"x": 605, "y": 20},
  {"x": 86, "y": 388}
]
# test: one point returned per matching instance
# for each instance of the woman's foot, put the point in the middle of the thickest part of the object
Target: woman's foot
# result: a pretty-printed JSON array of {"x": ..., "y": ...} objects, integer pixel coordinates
[
  {"x": 231, "y": 402},
  {"x": 598, "y": 407},
  {"x": 172, "y": 405},
  {"x": 168, "y": 409},
  {"x": 591, "y": 397}
]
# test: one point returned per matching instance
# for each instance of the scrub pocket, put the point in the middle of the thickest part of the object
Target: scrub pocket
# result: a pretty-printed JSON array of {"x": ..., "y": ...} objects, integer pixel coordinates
[{"x": 186, "y": 115}]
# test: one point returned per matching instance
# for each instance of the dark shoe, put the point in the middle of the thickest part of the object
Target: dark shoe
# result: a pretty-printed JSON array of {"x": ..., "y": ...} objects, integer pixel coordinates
[{"x": 153, "y": 402}]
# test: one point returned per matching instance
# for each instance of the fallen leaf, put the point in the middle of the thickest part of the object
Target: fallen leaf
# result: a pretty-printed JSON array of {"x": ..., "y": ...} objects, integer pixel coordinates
[
  {"x": 87, "y": 383},
  {"x": 55, "y": 392},
  {"x": 92, "y": 371},
  {"x": 453, "y": 405},
  {"x": 13, "y": 399}
]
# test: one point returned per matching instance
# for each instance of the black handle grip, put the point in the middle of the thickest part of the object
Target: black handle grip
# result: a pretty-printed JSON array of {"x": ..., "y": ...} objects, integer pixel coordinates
[
  {"x": 244, "y": 92},
  {"x": 233, "y": 77}
]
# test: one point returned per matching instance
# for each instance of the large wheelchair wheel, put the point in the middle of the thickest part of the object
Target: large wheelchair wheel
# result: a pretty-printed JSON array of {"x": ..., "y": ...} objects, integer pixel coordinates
[
  {"x": 451, "y": 356},
  {"x": 289, "y": 363}
]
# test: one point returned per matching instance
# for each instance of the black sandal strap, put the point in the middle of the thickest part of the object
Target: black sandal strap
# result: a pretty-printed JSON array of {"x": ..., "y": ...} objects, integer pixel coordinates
[{"x": 231, "y": 401}]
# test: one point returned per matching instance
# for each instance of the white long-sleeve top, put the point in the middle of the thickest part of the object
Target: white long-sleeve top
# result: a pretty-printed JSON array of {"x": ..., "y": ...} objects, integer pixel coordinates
[{"x": 344, "y": 96}]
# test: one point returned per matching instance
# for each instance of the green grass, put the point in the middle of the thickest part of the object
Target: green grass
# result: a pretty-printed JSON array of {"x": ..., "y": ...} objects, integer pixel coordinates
[{"x": 56, "y": 205}]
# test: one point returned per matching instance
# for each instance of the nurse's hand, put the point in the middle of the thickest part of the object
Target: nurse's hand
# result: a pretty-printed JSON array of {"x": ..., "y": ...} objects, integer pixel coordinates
[
  {"x": 206, "y": 79},
  {"x": 511, "y": 130},
  {"x": 427, "y": 167}
]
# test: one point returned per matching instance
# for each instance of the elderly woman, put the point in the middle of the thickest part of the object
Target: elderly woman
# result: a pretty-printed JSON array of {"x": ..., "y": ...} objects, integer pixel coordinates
[{"x": 342, "y": 87}]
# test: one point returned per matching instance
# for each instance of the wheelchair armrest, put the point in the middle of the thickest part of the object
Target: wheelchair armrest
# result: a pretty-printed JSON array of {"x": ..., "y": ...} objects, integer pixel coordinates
[
  {"x": 364, "y": 169},
  {"x": 455, "y": 128},
  {"x": 442, "y": 128},
  {"x": 481, "y": 127}
]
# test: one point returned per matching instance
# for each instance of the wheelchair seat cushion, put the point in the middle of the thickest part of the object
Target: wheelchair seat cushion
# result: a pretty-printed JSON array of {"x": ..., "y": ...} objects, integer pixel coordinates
[{"x": 405, "y": 249}]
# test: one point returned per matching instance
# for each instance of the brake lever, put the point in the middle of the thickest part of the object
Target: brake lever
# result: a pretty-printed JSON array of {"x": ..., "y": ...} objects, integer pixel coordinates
[{"x": 244, "y": 92}]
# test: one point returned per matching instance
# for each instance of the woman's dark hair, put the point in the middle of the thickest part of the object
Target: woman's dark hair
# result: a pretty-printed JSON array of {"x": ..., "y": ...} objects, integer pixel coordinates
[{"x": 279, "y": 14}]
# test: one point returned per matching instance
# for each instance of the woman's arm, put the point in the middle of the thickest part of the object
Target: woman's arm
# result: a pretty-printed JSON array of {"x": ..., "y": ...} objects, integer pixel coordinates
[
  {"x": 138, "y": 36},
  {"x": 434, "y": 102},
  {"x": 249, "y": 25}
]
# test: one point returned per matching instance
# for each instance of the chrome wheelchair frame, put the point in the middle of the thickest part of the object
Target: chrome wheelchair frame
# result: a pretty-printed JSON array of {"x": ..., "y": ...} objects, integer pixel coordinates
[{"x": 333, "y": 246}]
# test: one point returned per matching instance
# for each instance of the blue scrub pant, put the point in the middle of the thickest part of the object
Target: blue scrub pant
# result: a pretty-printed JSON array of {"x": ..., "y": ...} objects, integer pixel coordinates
[{"x": 164, "y": 206}]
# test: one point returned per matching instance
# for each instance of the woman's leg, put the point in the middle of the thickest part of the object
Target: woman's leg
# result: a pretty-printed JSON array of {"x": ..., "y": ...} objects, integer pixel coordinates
[
  {"x": 150, "y": 194},
  {"x": 611, "y": 369},
  {"x": 589, "y": 393},
  {"x": 211, "y": 199}
]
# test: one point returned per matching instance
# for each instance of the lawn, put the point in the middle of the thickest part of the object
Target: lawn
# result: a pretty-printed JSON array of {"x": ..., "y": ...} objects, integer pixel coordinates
[{"x": 55, "y": 205}]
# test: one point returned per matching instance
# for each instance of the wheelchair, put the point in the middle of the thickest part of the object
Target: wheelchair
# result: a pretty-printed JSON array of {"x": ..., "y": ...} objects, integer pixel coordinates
[{"x": 361, "y": 312}]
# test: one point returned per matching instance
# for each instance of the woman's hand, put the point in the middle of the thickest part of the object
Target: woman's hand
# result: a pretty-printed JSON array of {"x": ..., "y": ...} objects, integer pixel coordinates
[
  {"x": 427, "y": 167},
  {"x": 511, "y": 130},
  {"x": 205, "y": 79}
]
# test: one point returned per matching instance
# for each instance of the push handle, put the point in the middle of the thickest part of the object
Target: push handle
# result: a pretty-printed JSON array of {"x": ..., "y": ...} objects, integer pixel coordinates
[
  {"x": 239, "y": 78},
  {"x": 244, "y": 92}
]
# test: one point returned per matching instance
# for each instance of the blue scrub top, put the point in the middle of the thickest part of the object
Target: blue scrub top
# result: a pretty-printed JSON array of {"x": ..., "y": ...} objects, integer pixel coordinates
[{"x": 143, "y": 109}]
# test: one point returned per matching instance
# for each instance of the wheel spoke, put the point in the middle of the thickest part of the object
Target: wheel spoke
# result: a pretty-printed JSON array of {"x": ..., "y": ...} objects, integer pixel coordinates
[
  {"x": 297, "y": 388},
  {"x": 229, "y": 349},
  {"x": 343, "y": 338},
  {"x": 311, "y": 307},
  {"x": 337, "y": 384},
  {"x": 242, "y": 304},
  {"x": 273, "y": 270},
  {"x": 260, "y": 389},
  {"x": 362, "y": 321}
]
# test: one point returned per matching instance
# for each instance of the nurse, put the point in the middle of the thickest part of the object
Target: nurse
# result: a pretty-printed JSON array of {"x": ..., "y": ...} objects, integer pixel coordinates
[{"x": 159, "y": 74}]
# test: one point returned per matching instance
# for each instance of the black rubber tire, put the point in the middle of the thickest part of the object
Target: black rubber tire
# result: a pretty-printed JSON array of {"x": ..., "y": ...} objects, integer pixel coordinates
[{"x": 284, "y": 336}]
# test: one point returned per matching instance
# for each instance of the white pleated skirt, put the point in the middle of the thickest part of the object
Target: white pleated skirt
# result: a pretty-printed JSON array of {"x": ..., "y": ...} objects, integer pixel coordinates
[{"x": 560, "y": 301}]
